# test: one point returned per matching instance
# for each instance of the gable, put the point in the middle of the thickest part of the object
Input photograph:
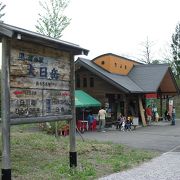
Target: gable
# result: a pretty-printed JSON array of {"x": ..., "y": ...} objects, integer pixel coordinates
[
  {"x": 167, "y": 85},
  {"x": 143, "y": 78},
  {"x": 148, "y": 76},
  {"x": 115, "y": 64}
]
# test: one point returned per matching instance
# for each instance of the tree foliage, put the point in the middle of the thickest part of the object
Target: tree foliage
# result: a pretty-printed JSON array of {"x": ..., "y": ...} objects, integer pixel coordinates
[
  {"x": 175, "y": 47},
  {"x": 52, "y": 21},
  {"x": 2, "y": 6}
]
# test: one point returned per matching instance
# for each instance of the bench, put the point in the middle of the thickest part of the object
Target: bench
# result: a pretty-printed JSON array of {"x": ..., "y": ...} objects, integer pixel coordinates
[{"x": 109, "y": 123}]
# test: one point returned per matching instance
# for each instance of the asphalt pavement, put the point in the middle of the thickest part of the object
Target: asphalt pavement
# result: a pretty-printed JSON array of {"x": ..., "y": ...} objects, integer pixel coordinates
[{"x": 161, "y": 136}]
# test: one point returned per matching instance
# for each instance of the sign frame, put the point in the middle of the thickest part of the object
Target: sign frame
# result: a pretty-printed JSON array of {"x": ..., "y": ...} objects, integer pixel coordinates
[{"x": 8, "y": 34}]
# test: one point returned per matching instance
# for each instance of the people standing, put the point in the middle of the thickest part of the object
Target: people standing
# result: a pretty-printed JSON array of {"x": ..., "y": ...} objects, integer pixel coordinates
[
  {"x": 119, "y": 121},
  {"x": 102, "y": 119},
  {"x": 173, "y": 116},
  {"x": 90, "y": 118},
  {"x": 156, "y": 117},
  {"x": 154, "y": 110},
  {"x": 149, "y": 114}
]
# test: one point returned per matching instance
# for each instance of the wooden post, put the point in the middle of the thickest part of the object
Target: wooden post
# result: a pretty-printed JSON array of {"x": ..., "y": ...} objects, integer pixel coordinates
[
  {"x": 72, "y": 123},
  {"x": 142, "y": 111},
  {"x": 56, "y": 129},
  {"x": 125, "y": 105},
  {"x": 5, "y": 110},
  {"x": 161, "y": 114},
  {"x": 167, "y": 103}
]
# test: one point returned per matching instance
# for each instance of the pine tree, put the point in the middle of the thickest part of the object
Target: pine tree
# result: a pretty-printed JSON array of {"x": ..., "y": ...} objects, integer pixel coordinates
[{"x": 175, "y": 45}]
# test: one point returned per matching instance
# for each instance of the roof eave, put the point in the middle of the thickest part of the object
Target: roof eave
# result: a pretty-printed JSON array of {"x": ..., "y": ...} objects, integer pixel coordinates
[
  {"x": 102, "y": 76},
  {"x": 26, "y": 35}
]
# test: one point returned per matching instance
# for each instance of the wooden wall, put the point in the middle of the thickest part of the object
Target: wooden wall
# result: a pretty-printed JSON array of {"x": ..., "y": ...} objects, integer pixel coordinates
[
  {"x": 101, "y": 87},
  {"x": 115, "y": 64},
  {"x": 104, "y": 91}
]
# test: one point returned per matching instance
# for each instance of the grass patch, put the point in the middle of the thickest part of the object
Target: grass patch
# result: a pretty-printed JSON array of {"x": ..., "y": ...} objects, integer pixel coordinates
[{"x": 37, "y": 155}]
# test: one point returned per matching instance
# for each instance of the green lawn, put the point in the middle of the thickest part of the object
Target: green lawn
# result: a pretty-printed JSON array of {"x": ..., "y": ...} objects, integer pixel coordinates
[{"x": 36, "y": 155}]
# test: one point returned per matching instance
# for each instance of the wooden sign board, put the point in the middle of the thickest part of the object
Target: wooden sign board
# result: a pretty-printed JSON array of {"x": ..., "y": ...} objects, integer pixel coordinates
[{"x": 39, "y": 81}]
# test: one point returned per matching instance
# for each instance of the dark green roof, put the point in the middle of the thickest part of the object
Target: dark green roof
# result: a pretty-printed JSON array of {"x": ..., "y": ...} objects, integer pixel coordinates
[{"x": 83, "y": 99}]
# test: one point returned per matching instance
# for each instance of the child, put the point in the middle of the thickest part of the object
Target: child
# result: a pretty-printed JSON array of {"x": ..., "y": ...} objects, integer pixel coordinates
[
  {"x": 90, "y": 119},
  {"x": 119, "y": 121},
  {"x": 123, "y": 125},
  {"x": 128, "y": 124}
]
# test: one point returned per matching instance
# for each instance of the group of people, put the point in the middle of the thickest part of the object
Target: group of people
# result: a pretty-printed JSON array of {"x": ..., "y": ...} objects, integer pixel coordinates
[
  {"x": 152, "y": 114},
  {"x": 123, "y": 124},
  {"x": 101, "y": 119}
]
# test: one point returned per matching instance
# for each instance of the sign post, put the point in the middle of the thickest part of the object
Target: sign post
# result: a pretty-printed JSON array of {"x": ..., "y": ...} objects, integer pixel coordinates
[
  {"x": 6, "y": 165},
  {"x": 37, "y": 84},
  {"x": 72, "y": 132}
]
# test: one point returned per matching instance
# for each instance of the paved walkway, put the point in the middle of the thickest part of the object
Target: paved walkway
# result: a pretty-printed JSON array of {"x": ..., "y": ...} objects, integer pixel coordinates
[{"x": 164, "y": 167}]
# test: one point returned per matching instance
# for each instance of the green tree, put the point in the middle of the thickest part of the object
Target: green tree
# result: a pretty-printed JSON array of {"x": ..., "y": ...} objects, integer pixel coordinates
[
  {"x": 2, "y": 6},
  {"x": 175, "y": 47},
  {"x": 52, "y": 20},
  {"x": 156, "y": 61}
]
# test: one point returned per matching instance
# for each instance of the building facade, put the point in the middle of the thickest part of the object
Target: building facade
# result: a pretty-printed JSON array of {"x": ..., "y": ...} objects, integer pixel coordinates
[{"x": 120, "y": 84}]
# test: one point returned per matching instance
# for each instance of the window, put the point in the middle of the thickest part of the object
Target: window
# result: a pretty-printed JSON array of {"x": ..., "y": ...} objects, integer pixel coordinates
[
  {"x": 84, "y": 82},
  {"x": 125, "y": 67},
  {"x": 102, "y": 62},
  {"x": 78, "y": 81},
  {"x": 91, "y": 82},
  {"x": 115, "y": 64}
]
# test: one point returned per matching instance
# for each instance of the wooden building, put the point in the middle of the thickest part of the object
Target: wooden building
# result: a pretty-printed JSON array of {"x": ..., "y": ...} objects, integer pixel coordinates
[{"x": 120, "y": 84}]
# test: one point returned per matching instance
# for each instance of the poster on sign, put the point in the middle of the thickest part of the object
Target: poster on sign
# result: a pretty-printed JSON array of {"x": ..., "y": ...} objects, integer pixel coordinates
[{"x": 39, "y": 82}]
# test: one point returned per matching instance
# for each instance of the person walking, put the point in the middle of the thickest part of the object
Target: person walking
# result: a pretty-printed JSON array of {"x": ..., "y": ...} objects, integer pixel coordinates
[
  {"x": 102, "y": 119},
  {"x": 173, "y": 116},
  {"x": 149, "y": 114}
]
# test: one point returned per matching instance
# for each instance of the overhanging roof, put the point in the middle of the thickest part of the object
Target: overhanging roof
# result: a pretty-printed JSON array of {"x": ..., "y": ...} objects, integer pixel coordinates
[
  {"x": 12, "y": 32},
  {"x": 148, "y": 76},
  {"x": 122, "y": 82},
  {"x": 143, "y": 78},
  {"x": 83, "y": 99}
]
